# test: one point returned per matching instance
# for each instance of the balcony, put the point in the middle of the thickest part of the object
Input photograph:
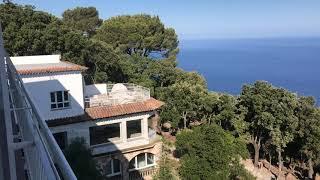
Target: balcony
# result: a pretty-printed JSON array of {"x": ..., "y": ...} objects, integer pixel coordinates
[
  {"x": 142, "y": 174},
  {"x": 114, "y": 94},
  {"x": 27, "y": 149},
  {"x": 126, "y": 144}
]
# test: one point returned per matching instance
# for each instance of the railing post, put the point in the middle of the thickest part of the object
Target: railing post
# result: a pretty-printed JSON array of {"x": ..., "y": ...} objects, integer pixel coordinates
[
  {"x": 42, "y": 153},
  {"x": 45, "y": 132},
  {"x": 7, "y": 155}
]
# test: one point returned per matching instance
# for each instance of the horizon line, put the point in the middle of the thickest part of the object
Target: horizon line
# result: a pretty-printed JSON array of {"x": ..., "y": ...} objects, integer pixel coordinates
[{"x": 248, "y": 38}]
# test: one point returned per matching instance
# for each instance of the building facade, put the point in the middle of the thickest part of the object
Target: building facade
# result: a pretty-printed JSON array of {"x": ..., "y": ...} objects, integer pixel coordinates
[{"x": 117, "y": 121}]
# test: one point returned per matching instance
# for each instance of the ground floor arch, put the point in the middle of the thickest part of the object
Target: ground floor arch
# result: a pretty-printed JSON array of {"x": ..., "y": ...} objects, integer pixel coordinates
[{"x": 133, "y": 164}]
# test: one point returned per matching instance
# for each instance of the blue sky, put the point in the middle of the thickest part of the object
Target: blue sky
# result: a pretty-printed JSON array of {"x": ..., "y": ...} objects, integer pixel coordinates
[{"x": 203, "y": 19}]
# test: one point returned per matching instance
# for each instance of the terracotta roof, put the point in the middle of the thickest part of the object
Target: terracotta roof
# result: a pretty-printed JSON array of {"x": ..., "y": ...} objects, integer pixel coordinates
[
  {"x": 62, "y": 66},
  {"x": 109, "y": 111}
]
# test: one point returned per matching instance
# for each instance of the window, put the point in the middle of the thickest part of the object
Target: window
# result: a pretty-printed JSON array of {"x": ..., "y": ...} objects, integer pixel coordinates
[
  {"x": 141, "y": 161},
  {"x": 150, "y": 158},
  {"x": 59, "y": 99},
  {"x": 61, "y": 139},
  {"x": 113, "y": 167},
  {"x": 104, "y": 134},
  {"x": 133, "y": 128}
]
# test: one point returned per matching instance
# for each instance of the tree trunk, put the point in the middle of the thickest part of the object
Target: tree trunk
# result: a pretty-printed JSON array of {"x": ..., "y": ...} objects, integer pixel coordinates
[
  {"x": 185, "y": 120},
  {"x": 256, "y": 144},
  {"x": 270, "y": 159},
  {"x": 256, "y": 156},
  {"x": 280, "y": 161},
  {"x": 144, "y": 52},
  {"x": 310, "y": 168}
]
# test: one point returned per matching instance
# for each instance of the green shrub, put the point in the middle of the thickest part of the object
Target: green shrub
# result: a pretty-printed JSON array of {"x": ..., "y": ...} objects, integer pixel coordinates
[{"x": 81, "y": 161}]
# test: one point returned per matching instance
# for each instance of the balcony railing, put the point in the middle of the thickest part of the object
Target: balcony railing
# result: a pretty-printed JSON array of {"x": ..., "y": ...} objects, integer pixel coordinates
[
  {"x": 26, "y": 132},
  {"x": 142, "y": 173},
  {"x": 121, "y": 93}
]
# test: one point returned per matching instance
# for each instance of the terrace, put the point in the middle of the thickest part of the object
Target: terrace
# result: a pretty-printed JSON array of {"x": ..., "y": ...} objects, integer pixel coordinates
[
  {"x": 114, "y": 94},
  {"x": 122, "y": 135}
]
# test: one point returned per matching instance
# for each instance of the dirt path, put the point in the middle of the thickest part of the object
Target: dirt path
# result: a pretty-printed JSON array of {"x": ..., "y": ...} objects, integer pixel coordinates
[{"x": 260, "y": 174}]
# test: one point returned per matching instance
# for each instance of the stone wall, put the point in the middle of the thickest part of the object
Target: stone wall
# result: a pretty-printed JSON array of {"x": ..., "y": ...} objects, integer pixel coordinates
[{"x": 126, "y": 157}]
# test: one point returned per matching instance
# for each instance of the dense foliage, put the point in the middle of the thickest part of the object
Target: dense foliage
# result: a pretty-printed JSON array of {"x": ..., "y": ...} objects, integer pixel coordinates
[
  {"x": 183, "y": 99},
  {"x": 138, "y": 34},
  {"x": 271, "y": 114},
  {"x": 24, "y": 29},
  {"x": 86, "y": 20},
  {"x": 275, "y": 123},
  {"x": 165, "y": 171},
  {"x": 276, "y": 118},
  {"x": 208, "y": 152},
  {"x": 81, "y": 161}
]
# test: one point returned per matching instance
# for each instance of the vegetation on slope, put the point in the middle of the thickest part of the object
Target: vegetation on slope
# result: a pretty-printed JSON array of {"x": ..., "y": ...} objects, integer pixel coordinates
[
  {"x": 81, "y": 162},
  {"x": 209, "y": 152}
]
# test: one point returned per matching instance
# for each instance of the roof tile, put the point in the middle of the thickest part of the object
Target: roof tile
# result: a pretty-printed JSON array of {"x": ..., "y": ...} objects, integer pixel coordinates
[
  {"x": 63, "y": 66},
  {"x": 100, "y": 112}
]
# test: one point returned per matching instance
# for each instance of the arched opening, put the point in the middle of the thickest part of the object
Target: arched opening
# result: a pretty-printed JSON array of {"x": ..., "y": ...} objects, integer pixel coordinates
[
  {"x": 142, "y": 161},
  {"x": 113, "y": 169}
]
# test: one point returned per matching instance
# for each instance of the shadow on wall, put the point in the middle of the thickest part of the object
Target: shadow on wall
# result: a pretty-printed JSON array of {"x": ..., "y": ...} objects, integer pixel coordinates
[
  {"x": 130, "y": 166},
  {"x": 111, "y": 166},
  {"x": 55, "y": 101},
  {"x": 114, "y": 165},
  {"x": 95, "y": 89}
]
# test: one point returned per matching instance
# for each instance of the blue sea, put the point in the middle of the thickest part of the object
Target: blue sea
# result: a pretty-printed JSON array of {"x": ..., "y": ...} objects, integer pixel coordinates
[{"x": 291, "y": 63}]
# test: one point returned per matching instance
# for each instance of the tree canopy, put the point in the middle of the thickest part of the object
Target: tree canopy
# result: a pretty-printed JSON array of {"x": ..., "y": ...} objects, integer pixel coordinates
[
  {"x": 81, "y": 161},
  {"x": 23, "y": 29},
  {"x": 83, "y": 19},
  {"x": 139, "y": 34},
  {"x": 208, "y": 152},
  {"x": 183, "y": 99},
  {"x": 308, "y": 134},
  {"x": 270, "y": 114}
]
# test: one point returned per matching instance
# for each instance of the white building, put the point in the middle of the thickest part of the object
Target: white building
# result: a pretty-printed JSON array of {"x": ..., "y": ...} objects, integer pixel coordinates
[{"x": 116, "y": 120}]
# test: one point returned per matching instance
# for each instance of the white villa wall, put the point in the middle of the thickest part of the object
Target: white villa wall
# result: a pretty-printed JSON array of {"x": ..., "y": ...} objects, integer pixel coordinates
[
  {"x": 39, "y": 87},
  {"x": 95, "y": 89},
  {"x": 39, "y": 59},
  {"x": 82, "y": 130}
]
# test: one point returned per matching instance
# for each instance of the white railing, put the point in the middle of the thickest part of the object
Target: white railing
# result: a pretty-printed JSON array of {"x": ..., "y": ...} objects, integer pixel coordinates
[
  {"x": 133, "y": 93},
  {"x": 132, "y": 88},
  {"x": 43, "y": 159},
  {"x": 143, "y": 173},
  {"x": 7, "y": 153}
]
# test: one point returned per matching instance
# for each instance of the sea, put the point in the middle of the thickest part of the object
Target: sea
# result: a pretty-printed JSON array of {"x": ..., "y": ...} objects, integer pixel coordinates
[{"x": 228, "y": 64}]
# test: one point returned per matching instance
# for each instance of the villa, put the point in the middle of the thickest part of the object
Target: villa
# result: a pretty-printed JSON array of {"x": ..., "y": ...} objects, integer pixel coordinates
[{"x": 117, "y": 121}]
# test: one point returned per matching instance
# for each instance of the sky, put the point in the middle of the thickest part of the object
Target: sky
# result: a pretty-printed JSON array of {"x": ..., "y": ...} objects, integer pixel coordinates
[{"x": 209, "y": 19}]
